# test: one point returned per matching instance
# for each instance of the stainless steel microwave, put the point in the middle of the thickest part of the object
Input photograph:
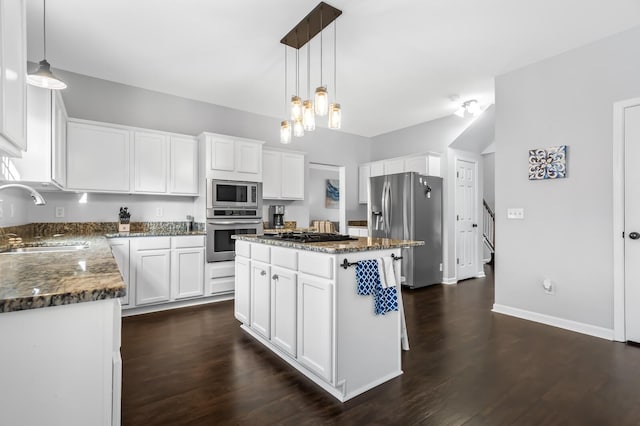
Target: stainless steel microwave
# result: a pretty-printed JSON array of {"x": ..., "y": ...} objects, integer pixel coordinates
[{"x": 235, "y": 195}]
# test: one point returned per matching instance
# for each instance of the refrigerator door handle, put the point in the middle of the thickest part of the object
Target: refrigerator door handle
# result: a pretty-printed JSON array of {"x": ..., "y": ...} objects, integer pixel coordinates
[
  {"x": 382, "y": 204},
  {"x": 387, "y": 209}
]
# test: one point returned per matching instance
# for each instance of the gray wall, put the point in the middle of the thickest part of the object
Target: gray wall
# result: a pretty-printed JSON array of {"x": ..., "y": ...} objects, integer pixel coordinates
[
  {"x": 14, "y": 206},
  {"x": 566, "y": 235},
  {"x": 489, "y": 179},
  {"x": 317, "y": 195},
  {"x": 100, "y": 100}
]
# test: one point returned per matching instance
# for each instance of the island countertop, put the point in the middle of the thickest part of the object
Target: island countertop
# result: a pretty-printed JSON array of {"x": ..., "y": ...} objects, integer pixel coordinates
[
  {"x": 39, "y": 280},
  {"x": 334, "y": 247}
]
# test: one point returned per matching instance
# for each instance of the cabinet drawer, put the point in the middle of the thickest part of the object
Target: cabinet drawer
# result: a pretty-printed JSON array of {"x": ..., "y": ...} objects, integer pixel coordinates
[
  {"x": 319, "y": 265},
  {"x": 221, "y": 285},
  {"x": 260, "y": 252},
  {"x": 243, "y": 249},
  {"x": 287, "y": 258},
  {"x": 221, "y": 269},
  {"x": 187, "y": 241},
  {"x": 152, "y": 243}
]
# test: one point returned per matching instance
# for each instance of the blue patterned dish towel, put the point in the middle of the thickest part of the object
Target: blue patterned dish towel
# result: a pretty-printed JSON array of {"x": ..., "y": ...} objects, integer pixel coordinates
[{"x": 368, "y": 283}]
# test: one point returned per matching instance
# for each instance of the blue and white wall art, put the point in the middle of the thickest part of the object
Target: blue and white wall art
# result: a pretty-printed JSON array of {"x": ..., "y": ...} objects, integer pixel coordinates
[{"x": 548, "y": 163}]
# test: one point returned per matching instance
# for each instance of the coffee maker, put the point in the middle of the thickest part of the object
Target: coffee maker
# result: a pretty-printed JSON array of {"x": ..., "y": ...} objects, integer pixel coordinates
[{"x": 276, "y": 216}]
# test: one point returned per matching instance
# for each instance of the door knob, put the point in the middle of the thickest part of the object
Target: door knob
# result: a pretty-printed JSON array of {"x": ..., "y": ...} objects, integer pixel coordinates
[
  {"x": 634, "y": 235},
  {"x": 475, "y": 225},
  {"x": 263, "y": 273},
  {"x": 275, "y": 277}
]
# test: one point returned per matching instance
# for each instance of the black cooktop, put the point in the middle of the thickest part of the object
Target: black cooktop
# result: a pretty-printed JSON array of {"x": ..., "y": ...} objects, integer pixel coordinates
[{"x": 307, "y": 237}]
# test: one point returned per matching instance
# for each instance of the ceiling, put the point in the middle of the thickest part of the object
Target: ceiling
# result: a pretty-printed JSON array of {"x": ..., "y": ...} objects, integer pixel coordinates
[{"x": 398, "y": 61}]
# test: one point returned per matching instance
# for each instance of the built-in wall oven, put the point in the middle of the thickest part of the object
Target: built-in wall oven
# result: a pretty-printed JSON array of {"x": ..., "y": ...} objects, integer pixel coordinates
[
  {"x": 233, "y": 208},
  {"x": 220, "y": 245}
]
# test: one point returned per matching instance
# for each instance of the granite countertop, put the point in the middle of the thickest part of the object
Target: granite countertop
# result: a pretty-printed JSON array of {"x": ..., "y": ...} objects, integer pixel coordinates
[
  {"x": 335, "y": 247},
  {"x": 43, "y": 279}
]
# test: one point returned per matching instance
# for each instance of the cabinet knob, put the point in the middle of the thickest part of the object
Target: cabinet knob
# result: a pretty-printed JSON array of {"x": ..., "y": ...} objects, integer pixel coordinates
[
  {"x": 263, "y": 273},
  {"x": 275, "y": 277}
]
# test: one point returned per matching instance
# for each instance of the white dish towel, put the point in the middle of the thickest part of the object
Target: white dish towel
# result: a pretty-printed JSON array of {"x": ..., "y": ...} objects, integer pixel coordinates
[{"x": 387, "y": 273}]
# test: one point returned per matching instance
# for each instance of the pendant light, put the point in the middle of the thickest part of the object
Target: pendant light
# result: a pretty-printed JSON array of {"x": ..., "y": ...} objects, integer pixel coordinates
[
  {"x": 308, "y": 115},
  {"x": 43, "y": 77},
  {"x": 335, "y": 112},
  {"x": 285, "y": 126},
  {"x": 322, "y": 97}
]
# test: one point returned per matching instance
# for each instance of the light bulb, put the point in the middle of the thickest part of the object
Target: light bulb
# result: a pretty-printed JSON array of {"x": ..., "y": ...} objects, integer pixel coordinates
[
  {"x": 285, "y": 132},
  {"x": 298, "y": 128},
  {"x": 296, "y": 108},
  {"x": 335, "y": 116},
  {"x": 308, "y": 117},
  {"x": 322, "y": 101}
]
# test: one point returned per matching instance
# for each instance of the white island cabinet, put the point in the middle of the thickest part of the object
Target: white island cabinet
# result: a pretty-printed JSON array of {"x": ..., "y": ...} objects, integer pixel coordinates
[{"x": 301, "y": 302}]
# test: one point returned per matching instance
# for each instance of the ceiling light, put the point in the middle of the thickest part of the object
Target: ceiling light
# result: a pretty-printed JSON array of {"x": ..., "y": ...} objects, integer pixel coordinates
[
  {"x": 335, "y": 112},
  {"x": 43, "y": 77},
  {"x": 471, "y": 107},
  {"x": 303, "y": 112}
]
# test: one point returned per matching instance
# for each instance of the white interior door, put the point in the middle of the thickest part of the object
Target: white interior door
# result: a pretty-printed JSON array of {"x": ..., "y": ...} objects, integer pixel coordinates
[
  {"x": 632, "y": 223},
  {"x": 466, "y": 219}
]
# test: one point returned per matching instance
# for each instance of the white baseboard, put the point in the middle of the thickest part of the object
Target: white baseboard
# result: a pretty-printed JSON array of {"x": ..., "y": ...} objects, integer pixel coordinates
[
  {"x": 480, "y": 274},
  {"x": 486, "y": 260},
  {"x": 578, "y": 327},
  {"x": 449, "y": 280}
]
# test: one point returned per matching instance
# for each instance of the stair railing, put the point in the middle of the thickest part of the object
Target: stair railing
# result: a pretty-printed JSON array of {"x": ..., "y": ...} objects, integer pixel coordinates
[{"x": 488, "y": 227}]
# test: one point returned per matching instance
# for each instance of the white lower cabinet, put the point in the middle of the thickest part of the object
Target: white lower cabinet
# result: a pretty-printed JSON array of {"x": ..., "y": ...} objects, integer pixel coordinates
[
  {"x": 284, "y": 309},
  {"x": 187, "y": 268},
  {"x": 315, "y": 324},
  {"x": 151, "y": 276},
  {"x": 158, "y": 270},
  {"x": 242, "y": 303},
  {"x": 261, "y": 298}
]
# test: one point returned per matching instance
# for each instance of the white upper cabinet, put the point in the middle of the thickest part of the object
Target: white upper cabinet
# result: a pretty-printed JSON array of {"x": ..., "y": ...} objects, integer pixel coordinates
[
  {"x": 183, "y": 176},
  {"x": 393, "y": 166},
  {"x": 59, "y": 134},
  {"x": 377, "y": 168},
  {"x": 233, "y": 158},
  {"x": 13, "y": 63},
  {"x": 283, "y": 174},
  {"x": 35, "y": 165},
  {"x": 150, "y": 167},
  {"x": 425, "y": 164},
  {"x": 111, "y": 158},
  {"x": 97, "y": 157}
]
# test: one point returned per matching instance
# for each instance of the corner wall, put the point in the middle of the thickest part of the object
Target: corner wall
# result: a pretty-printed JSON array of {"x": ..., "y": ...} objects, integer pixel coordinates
[{"x": 566, "y": 234}]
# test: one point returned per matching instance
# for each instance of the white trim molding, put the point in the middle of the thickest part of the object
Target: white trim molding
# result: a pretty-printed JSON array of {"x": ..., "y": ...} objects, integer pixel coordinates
[
  {"x": 578, "y": 327},
  {"x": 449, "y": 280}
]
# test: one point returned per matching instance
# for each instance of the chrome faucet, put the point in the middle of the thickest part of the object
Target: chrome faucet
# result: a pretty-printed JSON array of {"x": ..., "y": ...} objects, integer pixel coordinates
[{"x": 37, "y": 198}]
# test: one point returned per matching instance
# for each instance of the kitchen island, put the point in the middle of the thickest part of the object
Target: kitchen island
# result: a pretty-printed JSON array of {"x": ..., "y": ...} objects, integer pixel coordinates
[
  {"x": 300, "y": 300},
  {"x": 60, "y": 327}
]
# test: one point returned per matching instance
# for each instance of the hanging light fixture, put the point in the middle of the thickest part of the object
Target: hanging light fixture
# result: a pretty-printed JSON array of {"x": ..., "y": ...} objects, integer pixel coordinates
[
  {"x": 322, "y": 97},
  {"x": 469, "y": 107},
  {"x": 285, "y": 126},
  {"x": 303, "y": 113},
  {"x": 335, "y": 112},
  {"x": 43, "y": 77}
]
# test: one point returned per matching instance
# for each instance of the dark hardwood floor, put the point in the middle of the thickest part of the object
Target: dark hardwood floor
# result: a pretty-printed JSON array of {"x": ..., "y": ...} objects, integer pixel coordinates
[{"x": 467, "y": 365}]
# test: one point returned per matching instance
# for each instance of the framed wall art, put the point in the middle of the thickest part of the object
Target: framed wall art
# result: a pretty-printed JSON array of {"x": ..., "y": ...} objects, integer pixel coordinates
[{"x": 548, "y": 163}]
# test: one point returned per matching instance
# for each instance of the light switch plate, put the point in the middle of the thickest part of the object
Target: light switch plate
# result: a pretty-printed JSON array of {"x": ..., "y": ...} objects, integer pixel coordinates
[
  {"x": 59, "y": 211},
  {"x": 515, "y": 213}
]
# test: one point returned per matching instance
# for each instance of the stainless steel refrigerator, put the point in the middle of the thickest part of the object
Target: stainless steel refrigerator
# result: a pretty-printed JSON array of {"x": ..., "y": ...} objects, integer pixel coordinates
[{"x": 408, "y": 206}]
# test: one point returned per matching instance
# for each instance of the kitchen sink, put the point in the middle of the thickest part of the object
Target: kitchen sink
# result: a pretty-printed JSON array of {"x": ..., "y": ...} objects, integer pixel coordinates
[{"x": 47, "y": 249}]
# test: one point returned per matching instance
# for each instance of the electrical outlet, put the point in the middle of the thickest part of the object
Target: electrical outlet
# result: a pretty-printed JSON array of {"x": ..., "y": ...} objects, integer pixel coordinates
[
  {"x": 12, "y": 210},
  {"x": 441, "y": 267},
  {"x": 515, "y": 213},
  {"x": 59, "y": 211},
  {"x": 548, "y": 286},
  {"x": 159, "y": 212}
]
